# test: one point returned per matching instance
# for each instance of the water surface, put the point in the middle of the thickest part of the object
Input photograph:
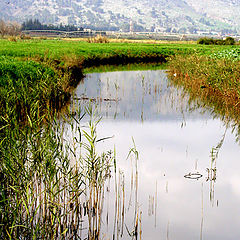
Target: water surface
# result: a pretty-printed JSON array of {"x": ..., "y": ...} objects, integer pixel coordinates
[{"x": 173, "y": 139}]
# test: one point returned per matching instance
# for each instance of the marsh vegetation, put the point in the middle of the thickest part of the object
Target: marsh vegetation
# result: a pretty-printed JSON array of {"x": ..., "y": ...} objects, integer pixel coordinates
[{"x": 57, "y": 174}]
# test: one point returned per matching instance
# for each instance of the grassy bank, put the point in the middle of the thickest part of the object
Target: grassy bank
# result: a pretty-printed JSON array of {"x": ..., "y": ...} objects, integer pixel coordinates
[
  {"x": 43, "y": 71},
  {"x": 214, "y": 79}
]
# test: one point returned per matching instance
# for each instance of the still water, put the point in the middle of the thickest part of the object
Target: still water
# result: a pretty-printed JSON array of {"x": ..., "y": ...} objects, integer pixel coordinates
[{"x": 174, "y": 140}]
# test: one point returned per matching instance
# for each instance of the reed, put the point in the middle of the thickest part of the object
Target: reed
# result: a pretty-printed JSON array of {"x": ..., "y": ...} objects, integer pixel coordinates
[
  {"x": 214, "y": 81},
  {"x": 46, "y": 184}
]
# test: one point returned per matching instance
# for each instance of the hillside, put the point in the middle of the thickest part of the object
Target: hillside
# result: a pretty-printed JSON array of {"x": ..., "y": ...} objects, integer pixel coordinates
[{"x": 151, "y": 15}]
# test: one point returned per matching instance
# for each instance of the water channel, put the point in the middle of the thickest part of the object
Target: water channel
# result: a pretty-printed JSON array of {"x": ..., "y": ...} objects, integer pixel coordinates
[{"x": 188, "y": 181}]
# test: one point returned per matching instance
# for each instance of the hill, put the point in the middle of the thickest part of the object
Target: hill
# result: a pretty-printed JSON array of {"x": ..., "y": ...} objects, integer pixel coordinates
[{"x": 144, "y": 15}]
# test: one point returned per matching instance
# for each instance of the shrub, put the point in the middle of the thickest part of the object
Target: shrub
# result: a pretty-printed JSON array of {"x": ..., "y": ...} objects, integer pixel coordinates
[
  {"x": 98, "y": 39},
  {"x": 210, "y": 41},
  {"x": 25, "y": 37},
  {"x": 205, "y": 41},
  {"x": 229, "y": 41}
]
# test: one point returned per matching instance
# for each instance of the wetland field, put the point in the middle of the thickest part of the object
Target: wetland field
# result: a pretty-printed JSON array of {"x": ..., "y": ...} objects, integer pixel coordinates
[{"x": 119, "y": 140}]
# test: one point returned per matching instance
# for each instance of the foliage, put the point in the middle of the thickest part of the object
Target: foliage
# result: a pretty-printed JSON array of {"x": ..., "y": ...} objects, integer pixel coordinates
[
  {"x": 211, "y": 41},
  {"x": 229, "y": 54},
  {"x": 37, "y": 25},
  {"x": 229, "y": 41}
]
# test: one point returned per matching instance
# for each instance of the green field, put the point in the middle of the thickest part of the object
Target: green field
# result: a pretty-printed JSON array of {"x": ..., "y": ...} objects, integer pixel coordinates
[{"x": 56, "y": 49}]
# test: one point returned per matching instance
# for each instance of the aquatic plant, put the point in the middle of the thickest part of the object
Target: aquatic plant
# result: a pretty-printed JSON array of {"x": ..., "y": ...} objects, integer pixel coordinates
[{"x": 47, "y": 185}]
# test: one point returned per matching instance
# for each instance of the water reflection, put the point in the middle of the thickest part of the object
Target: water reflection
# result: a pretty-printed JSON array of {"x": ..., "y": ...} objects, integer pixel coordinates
[
  {"x": 144, "y": 95},
  {"x": 173, "y": 139}
]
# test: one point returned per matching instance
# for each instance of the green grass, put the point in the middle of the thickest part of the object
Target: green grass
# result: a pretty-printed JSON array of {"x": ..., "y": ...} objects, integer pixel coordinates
[
  {"x": 43, "y": 71},
  {"x": 56, "y": 49},
  {"x": 126, "y": 67}
]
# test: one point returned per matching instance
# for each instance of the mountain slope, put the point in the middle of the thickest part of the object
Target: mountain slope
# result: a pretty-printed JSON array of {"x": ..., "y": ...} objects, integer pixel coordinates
[{"x": 153, "y": 15}]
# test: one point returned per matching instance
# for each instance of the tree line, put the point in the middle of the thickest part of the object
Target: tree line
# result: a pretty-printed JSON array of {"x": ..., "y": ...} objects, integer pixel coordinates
[
  {"x": 211, "y": 41},
  {"x": 37, "y": 25},
  {"x": 14, "y": 28}
]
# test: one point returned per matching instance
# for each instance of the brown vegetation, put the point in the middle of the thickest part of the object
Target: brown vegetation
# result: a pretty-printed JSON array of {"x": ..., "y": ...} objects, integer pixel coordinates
[
  {"x": 9, "y": 28},
  {"x": 98, "y": 39},
  {"x": 215, "y": 82}
]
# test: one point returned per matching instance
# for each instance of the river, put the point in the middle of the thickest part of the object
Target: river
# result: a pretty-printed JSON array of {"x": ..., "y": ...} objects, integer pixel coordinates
[{"x": 186, "y": 182}]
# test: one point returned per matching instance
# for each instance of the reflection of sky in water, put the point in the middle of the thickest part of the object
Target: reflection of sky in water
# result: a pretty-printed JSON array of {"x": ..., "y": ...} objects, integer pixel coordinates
[
  {"x": 168, "y": 150},
  {"x": 140, "y": 95}
]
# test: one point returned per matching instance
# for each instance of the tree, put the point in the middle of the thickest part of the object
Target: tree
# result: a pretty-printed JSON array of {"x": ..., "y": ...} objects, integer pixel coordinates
[
  {"x": 37, "y": 25},
  {"x": 229, "y": 41},
  {"x": 10, "y": 28},
  {"x": 14, "y": 29},
  {"x": 3, "y": 28}
]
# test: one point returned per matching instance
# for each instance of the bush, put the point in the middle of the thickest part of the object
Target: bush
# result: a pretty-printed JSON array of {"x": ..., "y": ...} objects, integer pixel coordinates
[
  {"x": 98, "y": 39},
  {"x": 205, "y": 41},
  {"x": 229, "y": 41},
  {"x": 210, "y": 41}
]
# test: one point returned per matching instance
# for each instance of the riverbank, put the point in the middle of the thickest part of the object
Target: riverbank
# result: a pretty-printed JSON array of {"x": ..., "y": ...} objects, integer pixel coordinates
[
  {"x": 42, "y": 72},
  {"x": 215, "y": 81}
]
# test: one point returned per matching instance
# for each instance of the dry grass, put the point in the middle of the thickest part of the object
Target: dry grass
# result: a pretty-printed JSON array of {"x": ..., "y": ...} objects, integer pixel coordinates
[
  {"x": 25, "y": 37},
  {"x": 214, "y": 82},
  {"x": 98, "y": 39},
  {"x": 125, "y": 40},
  {"x": 12, "y": 39}
]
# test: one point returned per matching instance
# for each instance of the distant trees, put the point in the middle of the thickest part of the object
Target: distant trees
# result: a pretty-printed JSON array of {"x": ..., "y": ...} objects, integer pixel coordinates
[
  {"x": 36, "y": 25},
  {"x": 229, "y": 41},
  {"x": 9, "y": 28},
  {"x": 210, "y": 41}
]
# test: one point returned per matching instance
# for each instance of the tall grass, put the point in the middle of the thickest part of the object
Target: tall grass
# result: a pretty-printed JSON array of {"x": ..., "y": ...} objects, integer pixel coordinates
[
  {"x": 44, "y": 179},
  {"x": 54, "y": 182},
  {"x": 209, "y": 78},
  {"x": 49, "y": 185},
  {"x": 210, "y": 82},
  {"x": 98, "y": 39}
]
